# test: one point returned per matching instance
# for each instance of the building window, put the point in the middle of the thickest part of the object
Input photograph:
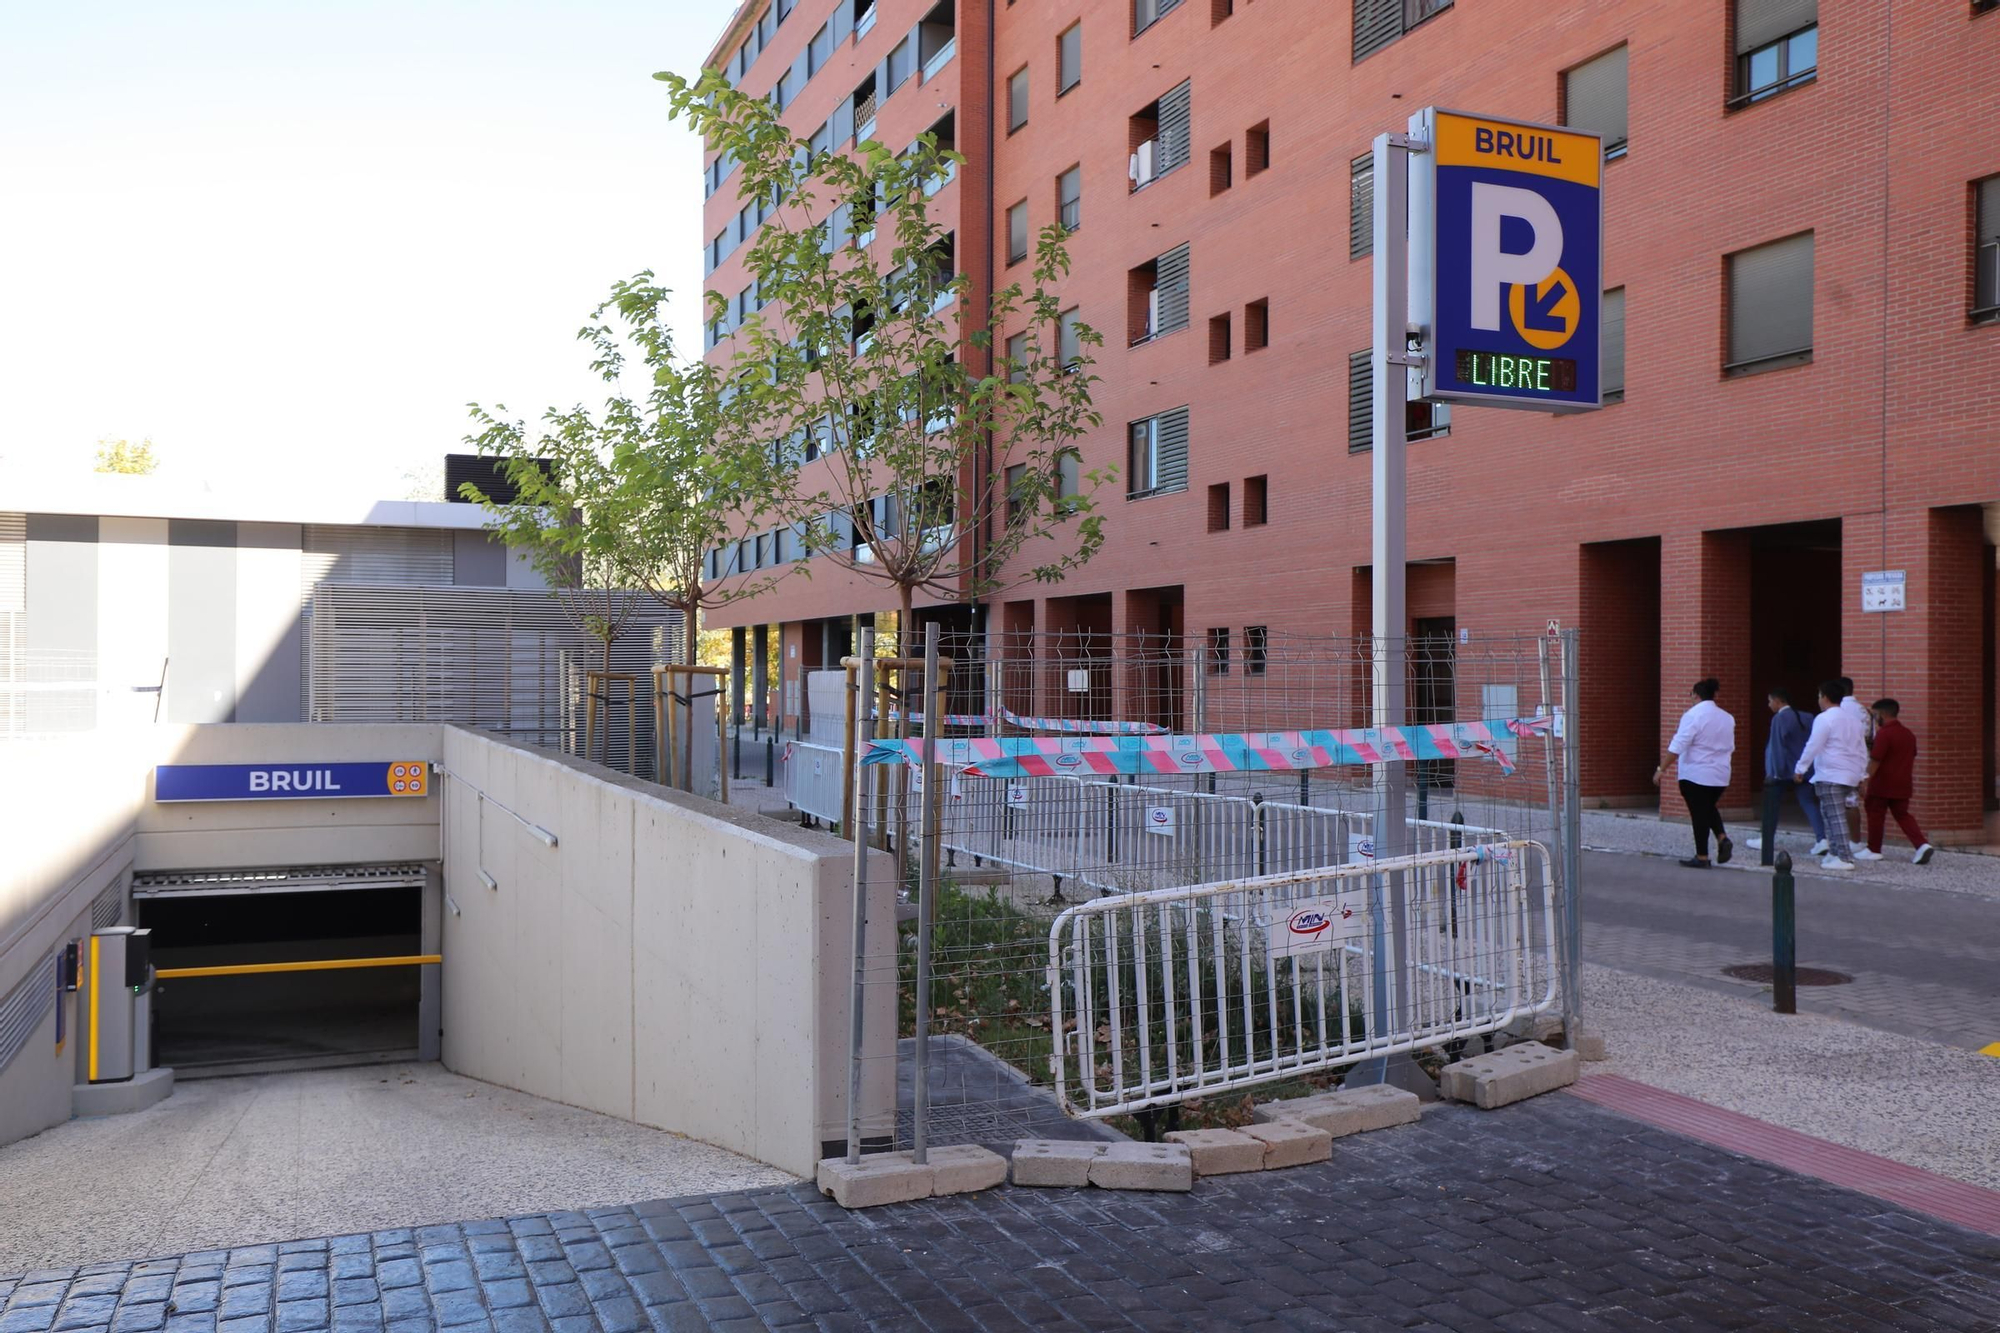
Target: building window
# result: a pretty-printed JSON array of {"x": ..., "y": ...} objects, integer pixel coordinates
[
  {"x": 1218, "y": 338},
  {"x": 1380, "y": 22},
  {"x": 1256, "y": 501},
  {"x": 1257, "y": 325},
  {"x": 1257, "y": 150},
  {"x": 1017, "y": 501},
  {"x": 1612, "y": 389},
  {"x": 1218, "y": 170},
  {"x": 819, "y": 49},
  {"x": 1069, "y": 476},
  {"x": 1256, "y": 649},
  {"x": 1218, "y": 507},
  {"x": 1777, "y": 47},
  {"x": 1219, "y": 10},
  {"x": 1361, "y": 206},
  {"x": 1017, "y": 101},
  {"x": 1069, "y": 198},
  {"x": 1770, "y": 306},
  {"x": 864, "y": 17},
  {"x": 1069, "y": 340},
  {"x": 1069, "y": 58},
  {"x": 1017, "y": 358},
  {"x": 1157, "y": 295},
  {"x": 1145, "y": 13},
  {"x": 865, "y": 103},
  {"x": 1157, "y": 137},
  {"x": 937, "y": 38},
  {"x": 1594, "y": 99},
  {"x": 1218, "y": 652},
  {"x": 1421, "y": 421},
  {"x": 1157, "y": 459},
  {"x": 1017, "y": 232},
  {"x": 1986, "y": 249}
]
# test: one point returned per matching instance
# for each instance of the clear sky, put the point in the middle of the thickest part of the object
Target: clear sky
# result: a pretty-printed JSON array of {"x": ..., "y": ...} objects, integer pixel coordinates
[{"x": 298, "y": 236}]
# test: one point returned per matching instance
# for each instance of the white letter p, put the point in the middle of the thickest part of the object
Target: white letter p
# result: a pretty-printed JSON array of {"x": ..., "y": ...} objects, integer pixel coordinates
[{"x": 1493, "y": 268}]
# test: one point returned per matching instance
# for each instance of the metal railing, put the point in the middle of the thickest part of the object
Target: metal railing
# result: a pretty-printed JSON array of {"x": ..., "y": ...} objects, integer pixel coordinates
[
  {"x": 1179, "y": 992},
  {"x": 812, "y": 779}
]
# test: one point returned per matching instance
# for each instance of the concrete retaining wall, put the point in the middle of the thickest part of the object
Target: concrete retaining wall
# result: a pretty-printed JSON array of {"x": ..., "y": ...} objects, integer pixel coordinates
[{"x": 671, "y": 961}]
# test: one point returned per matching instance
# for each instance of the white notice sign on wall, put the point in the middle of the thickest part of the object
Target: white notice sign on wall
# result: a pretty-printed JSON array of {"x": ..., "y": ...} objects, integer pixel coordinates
[{"x": 1882, "y": 590}]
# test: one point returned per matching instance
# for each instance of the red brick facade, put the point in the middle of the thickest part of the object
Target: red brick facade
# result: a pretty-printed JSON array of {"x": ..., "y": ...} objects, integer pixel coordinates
[{"x": 1668, "y": 526}]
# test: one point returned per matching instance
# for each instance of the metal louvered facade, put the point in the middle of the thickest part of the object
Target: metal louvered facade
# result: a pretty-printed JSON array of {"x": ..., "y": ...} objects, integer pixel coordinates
[
  {"x": 1361, "y": 206},
  {"x": 1176, "y": 129},
  {"x": 505, "y": 660},
  {"x": 1170, "y": 288},
  {"x": 1360, "y": 401},
  {"x": 24, "y": 1008}
]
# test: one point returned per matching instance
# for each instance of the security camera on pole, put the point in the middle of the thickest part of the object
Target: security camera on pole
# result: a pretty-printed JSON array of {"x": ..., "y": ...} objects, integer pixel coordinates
[{"x": 1488, "y": 241}]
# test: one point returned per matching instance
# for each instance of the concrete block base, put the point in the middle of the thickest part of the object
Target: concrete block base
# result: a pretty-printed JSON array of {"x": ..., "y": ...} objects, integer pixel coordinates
[
  {"x": 134, "y": 1094},
  {"x": 1143, "y": 1166},
  {"x": 1290, "y": 1143},
  {"x": 1347, "y": 1110},
  {"x": 1588, "y": 1043},
  {"x": 1220, "y": 1152},
  {"x": 961, "y": 1169},
  {"x": 1508, "y": 1076},
  {"x": 878, "y": 1178},
  {"x": 1054, "y": 1162}
]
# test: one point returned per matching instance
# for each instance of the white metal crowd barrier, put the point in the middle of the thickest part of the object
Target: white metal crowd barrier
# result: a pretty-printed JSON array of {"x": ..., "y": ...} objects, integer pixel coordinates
[
  {"x": 1188, "y": 991},
  {"x": 812, "y": 779}
]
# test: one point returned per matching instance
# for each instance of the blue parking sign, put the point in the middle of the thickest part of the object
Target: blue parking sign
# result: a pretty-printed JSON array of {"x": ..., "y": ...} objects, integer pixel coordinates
[{"x": 1516, "y": 253}]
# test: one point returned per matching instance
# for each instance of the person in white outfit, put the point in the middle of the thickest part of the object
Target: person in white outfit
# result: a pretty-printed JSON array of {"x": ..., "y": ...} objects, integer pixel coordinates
[
  {"x": 1837, "y": 756},
  {"x": 1702, "y": 745}
]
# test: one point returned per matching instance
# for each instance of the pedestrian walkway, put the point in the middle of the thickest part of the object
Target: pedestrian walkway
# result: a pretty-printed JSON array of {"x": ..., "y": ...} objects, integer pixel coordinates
[
  {"x": 1975, "y": 873},
  {"x": 1555, "y": 1214},
  {"x": 1922, "y": 964}
]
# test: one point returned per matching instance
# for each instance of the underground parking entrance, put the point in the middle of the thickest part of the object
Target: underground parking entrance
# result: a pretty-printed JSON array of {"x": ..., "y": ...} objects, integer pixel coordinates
[{"x": 266, "y": 970}]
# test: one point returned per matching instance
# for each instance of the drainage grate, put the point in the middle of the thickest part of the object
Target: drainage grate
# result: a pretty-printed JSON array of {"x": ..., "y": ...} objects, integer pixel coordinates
[{"x": 1806, "y": 976}]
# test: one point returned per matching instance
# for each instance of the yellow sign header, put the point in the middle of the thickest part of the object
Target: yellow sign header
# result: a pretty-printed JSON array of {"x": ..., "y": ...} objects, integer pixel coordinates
[{"x": 1471, "y": 141}]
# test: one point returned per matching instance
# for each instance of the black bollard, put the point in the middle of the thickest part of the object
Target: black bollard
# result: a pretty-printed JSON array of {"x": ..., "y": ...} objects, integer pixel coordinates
[{"x": 1784, "y": 940}]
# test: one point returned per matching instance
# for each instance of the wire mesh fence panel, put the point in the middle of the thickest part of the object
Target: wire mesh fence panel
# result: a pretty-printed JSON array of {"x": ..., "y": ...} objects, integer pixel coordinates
[{"x": 1153, "y": 803}]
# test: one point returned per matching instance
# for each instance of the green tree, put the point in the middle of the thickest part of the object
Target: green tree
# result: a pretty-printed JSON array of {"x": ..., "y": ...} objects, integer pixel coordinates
[
  {"x": 624, "y": 502},
  {"x": 137, "y": 460},
  {"x": 904, "y": 464}
]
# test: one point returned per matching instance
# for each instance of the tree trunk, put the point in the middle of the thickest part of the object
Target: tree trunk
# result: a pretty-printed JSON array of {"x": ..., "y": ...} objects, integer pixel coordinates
[
  {"x": 690, "y": 630},
  {"x": 905, "y": 641}
]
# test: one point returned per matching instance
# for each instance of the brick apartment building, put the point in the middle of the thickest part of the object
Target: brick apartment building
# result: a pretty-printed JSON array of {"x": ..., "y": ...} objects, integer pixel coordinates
[{"x": 1802, "y": 309}]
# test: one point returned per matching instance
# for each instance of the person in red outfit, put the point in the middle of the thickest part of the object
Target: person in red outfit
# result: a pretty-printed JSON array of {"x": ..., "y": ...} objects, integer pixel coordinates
[{"x": 1892, "y": 765}]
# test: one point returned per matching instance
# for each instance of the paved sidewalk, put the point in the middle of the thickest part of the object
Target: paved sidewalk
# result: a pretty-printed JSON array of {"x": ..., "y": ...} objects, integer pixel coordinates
[
  {"x": 1923, "y": 964},
  {"x": 1973, "y": 873},
  {"x": 1554, "y": 1215}
]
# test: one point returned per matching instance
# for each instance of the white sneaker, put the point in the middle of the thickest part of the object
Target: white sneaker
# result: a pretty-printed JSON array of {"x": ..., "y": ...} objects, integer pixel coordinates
[
  {"x": 1863, "y": 854},
  {"x": 1834, "y": 863},
  {"x": 1923, "y": 855},
  {"x": 1755, "y": 844},
  {"x": 1819, "y": 848}
]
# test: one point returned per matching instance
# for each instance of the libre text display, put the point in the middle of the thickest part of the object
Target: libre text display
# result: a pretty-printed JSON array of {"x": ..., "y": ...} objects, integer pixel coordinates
[{"x": 1515, "y": 245}]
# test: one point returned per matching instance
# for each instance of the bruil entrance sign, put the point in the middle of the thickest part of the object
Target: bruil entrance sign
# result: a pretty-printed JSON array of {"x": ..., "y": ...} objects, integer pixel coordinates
[{"x": 1514, "y": 243}]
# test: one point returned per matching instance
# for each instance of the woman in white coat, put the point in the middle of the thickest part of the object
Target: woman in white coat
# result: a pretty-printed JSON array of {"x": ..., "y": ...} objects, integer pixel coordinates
[{"x": 1701, "y": 746}]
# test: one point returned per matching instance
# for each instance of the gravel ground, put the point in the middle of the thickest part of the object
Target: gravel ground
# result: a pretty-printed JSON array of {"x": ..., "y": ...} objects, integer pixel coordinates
[
  {"x": 1929, "y": 1106},
  {"x": 248, "y": 1160}
]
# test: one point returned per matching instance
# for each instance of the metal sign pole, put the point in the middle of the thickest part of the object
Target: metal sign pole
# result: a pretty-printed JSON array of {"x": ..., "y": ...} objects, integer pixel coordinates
[
  {"x": 1392, "y": 361},
  {"x": 927, "y": 870},
  {"x": 861, "y": 684},
  {"x": 1572, "y": 844}
]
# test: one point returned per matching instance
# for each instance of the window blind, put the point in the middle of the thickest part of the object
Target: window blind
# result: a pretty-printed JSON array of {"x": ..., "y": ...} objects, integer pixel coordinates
[
  {"x": 1594, "y": 97},
  {"x": 1761, "y": 22},
  {"x": 1770, "y": 300}
]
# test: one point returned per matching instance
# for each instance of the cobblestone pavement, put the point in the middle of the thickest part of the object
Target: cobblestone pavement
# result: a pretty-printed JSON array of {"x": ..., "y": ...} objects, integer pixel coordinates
[
  {"x": 1923, "y": 964},
  {"x": 1554, "y": 1215}
]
